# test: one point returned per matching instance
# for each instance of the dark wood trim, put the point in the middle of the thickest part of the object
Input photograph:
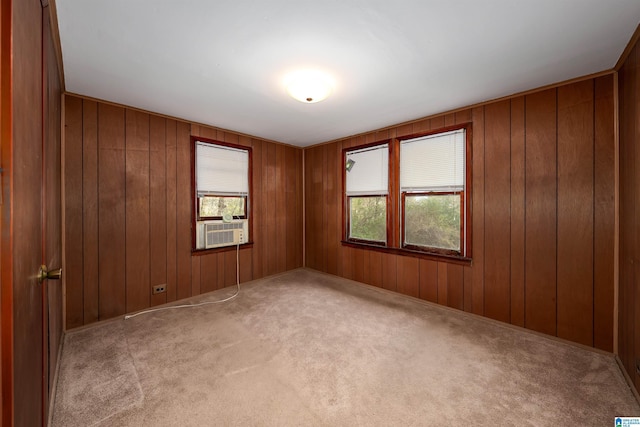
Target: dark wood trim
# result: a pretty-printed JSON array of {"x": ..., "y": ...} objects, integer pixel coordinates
[
  {"x": 628, "y": 49},
  {"x": 200, "y": 252},
  {"x": 451, "y": 259},
  {"x": 6, "y": 264},
  {"x": 394, "y": 228},
  {"x": 444, "y": 129},
  {"x": 194, "y": 205},
  {"x": 345, "y": 203},
  {"x": 55, "y": 35},
  {"x": 468, "y": 190}
]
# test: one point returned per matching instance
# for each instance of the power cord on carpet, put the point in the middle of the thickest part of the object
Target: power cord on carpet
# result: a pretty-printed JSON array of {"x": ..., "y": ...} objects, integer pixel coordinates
[{"x": 129, "y": 316}]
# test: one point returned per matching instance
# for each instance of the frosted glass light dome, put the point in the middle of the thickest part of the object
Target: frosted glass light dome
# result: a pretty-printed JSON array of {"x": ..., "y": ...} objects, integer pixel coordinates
[{"x": 309, "y": 86}]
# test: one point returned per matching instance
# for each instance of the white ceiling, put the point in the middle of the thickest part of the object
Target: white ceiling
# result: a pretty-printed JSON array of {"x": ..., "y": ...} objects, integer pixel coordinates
[{"x": 222, "y": 62}]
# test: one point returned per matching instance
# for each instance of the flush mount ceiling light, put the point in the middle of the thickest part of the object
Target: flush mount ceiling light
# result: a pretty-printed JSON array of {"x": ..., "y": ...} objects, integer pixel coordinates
[{"x": 309, "y": 86}]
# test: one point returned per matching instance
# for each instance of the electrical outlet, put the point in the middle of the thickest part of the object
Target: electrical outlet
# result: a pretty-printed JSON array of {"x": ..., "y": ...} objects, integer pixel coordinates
[{"x": 158, "y": 289}]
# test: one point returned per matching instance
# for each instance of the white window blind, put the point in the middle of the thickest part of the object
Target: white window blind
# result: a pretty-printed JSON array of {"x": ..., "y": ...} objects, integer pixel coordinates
[
  {"x": 434, "y": 162},
  {"x": 369, "y": 174},
  {"x": 221, "y": 170}
]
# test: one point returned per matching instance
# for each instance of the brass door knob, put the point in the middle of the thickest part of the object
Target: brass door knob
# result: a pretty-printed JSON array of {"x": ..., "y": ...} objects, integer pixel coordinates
[{"x": 49, "y": 274}]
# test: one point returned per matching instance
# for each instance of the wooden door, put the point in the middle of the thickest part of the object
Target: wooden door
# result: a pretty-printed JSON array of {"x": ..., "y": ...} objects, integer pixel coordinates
[
  {"x": 51, "y": 215},
  {"x": 29, "y": 210}
]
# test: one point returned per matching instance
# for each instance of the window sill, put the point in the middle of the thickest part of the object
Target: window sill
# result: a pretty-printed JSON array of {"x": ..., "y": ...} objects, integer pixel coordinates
[
  {"x": 452, "y": 259},
  {"x": 199, "y": 252}
]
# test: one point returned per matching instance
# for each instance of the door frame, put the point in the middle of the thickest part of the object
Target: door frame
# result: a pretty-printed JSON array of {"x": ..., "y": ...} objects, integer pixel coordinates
[{"x": 6, "y": 267}]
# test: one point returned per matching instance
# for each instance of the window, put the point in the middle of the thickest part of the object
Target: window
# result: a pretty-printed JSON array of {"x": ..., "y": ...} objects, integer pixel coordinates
[
  {"x": 411, "y": 194},
  {"x": 367, "y": 187},
  {"x": 221, "y": 198},
  {"x": 432, "y": 185}
]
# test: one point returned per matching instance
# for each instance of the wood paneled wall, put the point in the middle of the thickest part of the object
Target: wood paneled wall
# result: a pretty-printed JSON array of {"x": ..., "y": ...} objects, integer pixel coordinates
[
  {"x": 542, "y": 224},
  {"x": 127, "y": 179},
  {"x": 629, "y": 291}
]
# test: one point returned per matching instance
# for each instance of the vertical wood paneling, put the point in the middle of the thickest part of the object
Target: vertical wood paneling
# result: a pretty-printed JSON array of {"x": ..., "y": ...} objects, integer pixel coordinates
[
  {"x": 310, "y": 215},
  {"x": 333, "y": 191},
  {"x": 523, "y": 185},
  {"x": 519, "y": 250},
  {"x": 183, "y": 210},
  {"x": 298, "y": 220},
  {"x": 196, "y": 283},
  {"x": 442, "y": 283},
  {"x": 575, "y": 212},
  {"x": 463, "y": 116},
  {"x": 455, "y": 286},
  {"x": 467, "y": 286},
  {"x": 541, "y": 199},
  {"x": 604, "y": 215},
  {"x": 389, "y": 271},
  {"x": 477, "y": 281},
  {"x": 375, "y": 266},
  {"x": 73, "y": 212},
  {"x": 271, "y": 213},
  {"x": 314, "y": 208},
  {"x": 172, "y": 291},
  {"x": 138, "y": 293},
  {"x": 230, "y": 264},
  {"x": 208, "y": 272},
  {"x": 157, "y": 207},
  {"x": 90, "y": 246},
  {"x": 366, "y": 267},
  {"x": 437, "y": 122},
  {"x": 358, "y": 262},
  {"x": 258, "y": 210},
  {"x": 633, "y": 312},
  {"x": 409, "y": 276},
  {"x": 429, "y": 280},
  {"x": 517, "y": 210},
  {"x": 280, "y": 216},
  {"x": 497, "y": 212},
  {"x": 111, "y": 199},
  {"x": 128, "y": 177},
  {"x": 219, "y": 270},
  {"x": 246, "y": 265},
  {"x": 291, "y": 207},
  {"x": 627, "y": 85}
]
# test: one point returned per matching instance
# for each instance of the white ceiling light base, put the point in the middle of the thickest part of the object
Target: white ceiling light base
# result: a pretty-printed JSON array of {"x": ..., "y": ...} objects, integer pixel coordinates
[{"x": 309, "y": 86}]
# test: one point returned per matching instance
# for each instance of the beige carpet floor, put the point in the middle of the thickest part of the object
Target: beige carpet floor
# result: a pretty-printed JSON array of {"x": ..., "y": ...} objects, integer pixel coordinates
[{"x": 309, "y": 349}]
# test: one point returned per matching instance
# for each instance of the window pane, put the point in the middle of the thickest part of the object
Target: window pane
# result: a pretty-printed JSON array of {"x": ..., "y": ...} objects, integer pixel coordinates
[
  {"x": 368, "y": 218},
  {"x": 221, "y": 170},
  {"x": 433, "y": 220},
  {"x": 368, "y": 171},
  {"x": 433, "y": 162},
  {"x": 216, "y": 206}
]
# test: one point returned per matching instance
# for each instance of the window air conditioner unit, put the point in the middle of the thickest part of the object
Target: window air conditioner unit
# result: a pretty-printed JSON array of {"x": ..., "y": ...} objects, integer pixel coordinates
[{"x": 223, "y": 234}]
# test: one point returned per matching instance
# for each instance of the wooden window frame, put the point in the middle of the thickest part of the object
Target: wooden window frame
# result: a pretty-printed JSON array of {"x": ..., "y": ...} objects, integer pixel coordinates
[
  {"x": 364, "y": 241},
  {"x": 395, "y": 204},
  {"x": 346, "y": 223},
  {"x": 195, "y": 211},
  {"x": 432, "y": 249}
]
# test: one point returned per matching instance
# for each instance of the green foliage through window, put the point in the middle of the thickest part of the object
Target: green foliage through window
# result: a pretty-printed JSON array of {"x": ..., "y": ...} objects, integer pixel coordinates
[
  {"x": 368, "y": 216},
  {"x": 217, "y": 206},
  {"x": 433, "y": 220}
]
